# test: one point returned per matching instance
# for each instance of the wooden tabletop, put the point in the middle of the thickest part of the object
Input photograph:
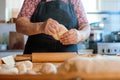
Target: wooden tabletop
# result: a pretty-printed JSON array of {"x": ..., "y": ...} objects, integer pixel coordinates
[{"x": 68, "y": 76}]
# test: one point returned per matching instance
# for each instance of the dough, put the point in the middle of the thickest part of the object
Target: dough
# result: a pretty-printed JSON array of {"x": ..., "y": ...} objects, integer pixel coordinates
[
  {"x": 28, "y": 65},
  {"x": 47, "y": 68},
  {"x": 31, "y": 72},
  {"x": 63, "y": 29},
  {"x": 9, "y": 71},
  {"x": 5, "y": 66},
  {"x": 24, "y": 66},
  {"x": 98, "y": 64},
  {"x": 21, "y": 67},
  {"x": 9, "y": 60},
  {"x": 6, "y": 69}
]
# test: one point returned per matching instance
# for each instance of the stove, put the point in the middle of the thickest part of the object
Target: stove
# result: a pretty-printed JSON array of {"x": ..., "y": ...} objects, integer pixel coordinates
[{"x": 108, "y": 48}]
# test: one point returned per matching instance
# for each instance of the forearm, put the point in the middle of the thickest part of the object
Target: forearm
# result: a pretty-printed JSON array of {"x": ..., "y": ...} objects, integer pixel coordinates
[
  {"x": 24, "y": 26},
  {"x": 84, "y": 33}
]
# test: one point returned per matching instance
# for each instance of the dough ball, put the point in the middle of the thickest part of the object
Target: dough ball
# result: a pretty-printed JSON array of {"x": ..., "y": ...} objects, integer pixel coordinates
[
  {"x": 24, "y": 66},
  {"x": 21, "y": 67},
  {"x": 7, "y": 69},
  {"x": 5, "y": 66},
  {"x": 37, "y": 67},
  {"x": 63, "y": 29},
  {"x": 47, "y": 68},
  {"x": 31, "y": 72},
  {"x": 28, "y": 65},
  {"x": 98, "y": 64}
]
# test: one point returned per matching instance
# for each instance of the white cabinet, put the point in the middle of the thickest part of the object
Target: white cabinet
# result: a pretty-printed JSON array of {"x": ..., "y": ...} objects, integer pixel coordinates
[
  {"x": 110, "y": 5},
  {"x": 6, "y": 7},
  {"x": 2, "y": 10},
  {"x": 91, "y": 5},
  {"x": 101, "y": 5}
]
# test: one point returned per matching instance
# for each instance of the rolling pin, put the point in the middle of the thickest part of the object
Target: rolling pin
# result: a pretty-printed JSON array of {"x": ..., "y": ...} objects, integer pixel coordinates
[{"x": 47, "y": 57}]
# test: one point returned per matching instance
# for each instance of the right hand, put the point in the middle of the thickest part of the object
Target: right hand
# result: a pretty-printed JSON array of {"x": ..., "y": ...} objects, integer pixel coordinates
[{"x": 51, "y": 27}]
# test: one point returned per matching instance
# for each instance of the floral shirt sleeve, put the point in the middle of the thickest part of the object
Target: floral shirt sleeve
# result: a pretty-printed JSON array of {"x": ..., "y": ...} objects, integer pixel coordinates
[
  {"x": 80, "y": 13},
  {"x": 28, "y": 8},
  {"x": 30, "y": 5}
]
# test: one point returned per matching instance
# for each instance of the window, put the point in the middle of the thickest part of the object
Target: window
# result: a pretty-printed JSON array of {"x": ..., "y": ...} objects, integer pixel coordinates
[{"x": 91, "y": 5}]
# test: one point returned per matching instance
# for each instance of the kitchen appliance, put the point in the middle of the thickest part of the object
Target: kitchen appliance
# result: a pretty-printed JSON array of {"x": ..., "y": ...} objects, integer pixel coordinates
[
  {"x": 97, "y": 25},
  {"x": 108, "y": 48},
  {"x": 95, "y": 36},
  {"x": 115, "y": 36}
]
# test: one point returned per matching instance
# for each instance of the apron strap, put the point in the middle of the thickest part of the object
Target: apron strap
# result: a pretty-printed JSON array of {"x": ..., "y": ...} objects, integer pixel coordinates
[
  {"x": 57, "y": 0},
  {"x": 43, "y": 0},
  {"x": 69, "y": 1}
]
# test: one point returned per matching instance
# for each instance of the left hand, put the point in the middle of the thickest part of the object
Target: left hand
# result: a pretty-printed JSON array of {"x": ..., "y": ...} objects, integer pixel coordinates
[
  {"x": 51, "y": 27},
  {"x": 70, "y": 37}
]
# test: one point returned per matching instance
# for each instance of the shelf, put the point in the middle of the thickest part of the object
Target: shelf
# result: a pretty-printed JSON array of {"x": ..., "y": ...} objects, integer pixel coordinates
[
  {"x": 106, "y": 12},
  {"x": 11, "y": 50}
]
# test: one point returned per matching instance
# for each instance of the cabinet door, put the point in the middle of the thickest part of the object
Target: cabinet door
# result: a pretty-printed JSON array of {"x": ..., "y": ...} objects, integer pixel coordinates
[
  {"x": 2, "y": 9},
  {"x": 91, "y": 5},
  {"x": 110, "y": 5}
]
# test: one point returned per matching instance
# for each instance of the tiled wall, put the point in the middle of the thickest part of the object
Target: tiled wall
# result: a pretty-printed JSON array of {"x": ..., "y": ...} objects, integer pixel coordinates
[
  {"x": 112, "y": 22},
  {"x": 114, "y": 19},
  {"x": 110, "y": 5}
]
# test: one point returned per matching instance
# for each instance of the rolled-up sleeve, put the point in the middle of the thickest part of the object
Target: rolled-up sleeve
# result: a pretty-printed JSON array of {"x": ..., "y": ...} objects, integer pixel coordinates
[
  {"x": 80, "y": 13},
  {"x": 28, "y": 8}
]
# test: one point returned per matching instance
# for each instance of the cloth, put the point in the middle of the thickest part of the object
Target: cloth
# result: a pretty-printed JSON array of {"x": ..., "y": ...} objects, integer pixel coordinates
[
  {"x": 29, "y": 7},
  {"x": 60, "y": 11}
]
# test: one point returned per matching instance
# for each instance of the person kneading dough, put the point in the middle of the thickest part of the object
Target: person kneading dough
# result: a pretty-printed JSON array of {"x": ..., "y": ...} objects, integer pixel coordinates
[{"x": 56, "y": 27}]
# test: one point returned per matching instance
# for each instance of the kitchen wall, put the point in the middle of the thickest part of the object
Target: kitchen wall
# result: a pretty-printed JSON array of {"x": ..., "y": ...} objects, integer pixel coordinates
[
  {"x": 106, "y": 11},
  {"x": 110, "y": 5}
]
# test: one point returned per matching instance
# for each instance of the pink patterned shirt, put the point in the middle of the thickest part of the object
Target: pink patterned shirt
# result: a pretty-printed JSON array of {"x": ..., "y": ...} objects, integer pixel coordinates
[{"x": 30, "y": 5}]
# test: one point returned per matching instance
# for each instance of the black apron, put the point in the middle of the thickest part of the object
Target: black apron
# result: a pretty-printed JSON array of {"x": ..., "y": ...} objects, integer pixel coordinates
[{"x": 60, "y": 11}]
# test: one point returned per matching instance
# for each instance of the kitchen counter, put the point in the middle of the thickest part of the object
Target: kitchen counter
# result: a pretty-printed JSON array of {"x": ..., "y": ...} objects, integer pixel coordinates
[{"x": 10, "y": 52}]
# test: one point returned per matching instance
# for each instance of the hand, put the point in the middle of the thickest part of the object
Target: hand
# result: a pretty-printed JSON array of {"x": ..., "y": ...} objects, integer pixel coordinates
[
  {"x": 51, "y": 27},
  {"x": 70, "y": 37}
]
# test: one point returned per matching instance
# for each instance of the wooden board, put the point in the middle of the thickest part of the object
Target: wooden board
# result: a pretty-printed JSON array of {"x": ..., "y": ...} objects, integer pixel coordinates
[
  {"x": 16, "y": 41},
  {"x": 68, "y": 76}
]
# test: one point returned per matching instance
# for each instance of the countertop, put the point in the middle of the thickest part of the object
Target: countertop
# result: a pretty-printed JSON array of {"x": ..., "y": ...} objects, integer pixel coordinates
[{"x": 4, "y": 53}]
